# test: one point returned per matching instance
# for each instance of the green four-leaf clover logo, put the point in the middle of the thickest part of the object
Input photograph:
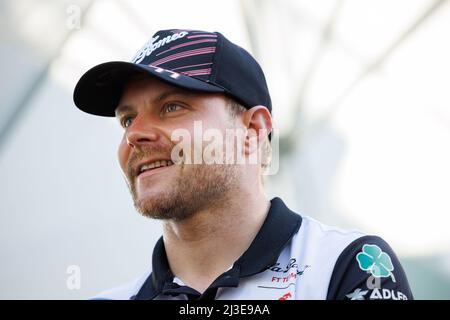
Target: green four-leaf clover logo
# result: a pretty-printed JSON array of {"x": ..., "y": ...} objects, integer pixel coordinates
[{"x": 372, "y": 259}]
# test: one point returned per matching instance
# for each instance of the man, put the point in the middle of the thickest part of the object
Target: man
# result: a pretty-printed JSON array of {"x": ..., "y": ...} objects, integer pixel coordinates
[{"x": 222, "y": 238}]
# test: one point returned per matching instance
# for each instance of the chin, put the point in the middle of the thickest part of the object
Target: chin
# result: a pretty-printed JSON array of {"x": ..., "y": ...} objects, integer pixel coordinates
[
  {"x": 153, "y": 204},
  {"x": 165, "y": 206},
  {"x": 149, "y": 198}
]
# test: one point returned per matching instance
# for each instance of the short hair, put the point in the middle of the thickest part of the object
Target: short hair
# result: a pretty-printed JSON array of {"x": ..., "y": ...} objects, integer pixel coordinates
[{"x": 236, "y": 109}]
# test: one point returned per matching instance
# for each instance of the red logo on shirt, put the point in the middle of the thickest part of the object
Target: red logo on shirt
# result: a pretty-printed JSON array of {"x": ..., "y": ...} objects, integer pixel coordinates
[{"x": 286, "y": 296}]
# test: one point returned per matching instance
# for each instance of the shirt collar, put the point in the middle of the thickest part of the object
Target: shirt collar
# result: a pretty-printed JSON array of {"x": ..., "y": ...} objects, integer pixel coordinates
[{"x": 277, "y": 230}]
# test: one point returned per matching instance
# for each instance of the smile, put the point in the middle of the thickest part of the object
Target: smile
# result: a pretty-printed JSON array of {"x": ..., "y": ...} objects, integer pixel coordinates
[{"x": 154, "y": 167}]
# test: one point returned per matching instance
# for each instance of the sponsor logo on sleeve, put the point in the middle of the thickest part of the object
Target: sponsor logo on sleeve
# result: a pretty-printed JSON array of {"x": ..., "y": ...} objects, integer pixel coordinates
[
  {"x": 376, "y": 294},
  {"x": 358, "y": 294},
  {"x": 376, "y": 262}
]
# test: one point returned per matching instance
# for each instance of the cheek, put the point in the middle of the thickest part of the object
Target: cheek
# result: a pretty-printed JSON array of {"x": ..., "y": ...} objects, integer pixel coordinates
[{"x": 123, "y": 153}]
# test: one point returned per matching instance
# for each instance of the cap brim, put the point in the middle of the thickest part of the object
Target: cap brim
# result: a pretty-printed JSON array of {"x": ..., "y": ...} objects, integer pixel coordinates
[{"x": 99, "y": 90}]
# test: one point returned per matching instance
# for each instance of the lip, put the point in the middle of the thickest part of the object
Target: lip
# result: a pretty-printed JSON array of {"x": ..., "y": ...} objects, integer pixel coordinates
[
  {"x": 138, "y": 167},
  {"x": 151, "y": 172}
]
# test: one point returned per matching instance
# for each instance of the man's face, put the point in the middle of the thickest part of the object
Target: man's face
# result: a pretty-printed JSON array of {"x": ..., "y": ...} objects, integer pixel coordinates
[{"x": 149, "y": 111}]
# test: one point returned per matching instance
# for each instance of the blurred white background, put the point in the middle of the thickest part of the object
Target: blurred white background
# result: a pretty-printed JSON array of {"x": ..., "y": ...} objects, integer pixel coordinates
[{"x": 361, "y": 96}]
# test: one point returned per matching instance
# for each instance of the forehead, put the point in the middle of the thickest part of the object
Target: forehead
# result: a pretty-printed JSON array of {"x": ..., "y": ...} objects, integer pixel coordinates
[
  {"x": 150, "y": 84},
  {"x": 146, "y": 87}
]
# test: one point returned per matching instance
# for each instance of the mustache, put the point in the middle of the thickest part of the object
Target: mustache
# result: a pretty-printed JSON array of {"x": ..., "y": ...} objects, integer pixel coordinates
[{"x": 137, "y": 156}]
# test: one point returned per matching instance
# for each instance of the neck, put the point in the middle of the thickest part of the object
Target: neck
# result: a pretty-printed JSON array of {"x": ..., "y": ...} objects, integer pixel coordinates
[{"x": 201, "y": 248}]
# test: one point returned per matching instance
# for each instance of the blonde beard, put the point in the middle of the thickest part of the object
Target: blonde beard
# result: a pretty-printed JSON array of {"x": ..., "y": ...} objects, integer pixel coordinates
[{"x": 198, "y": 187}]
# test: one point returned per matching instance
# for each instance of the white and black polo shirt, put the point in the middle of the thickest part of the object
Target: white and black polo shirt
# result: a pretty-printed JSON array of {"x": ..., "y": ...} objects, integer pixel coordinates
[{"x": 292, "y": 257}]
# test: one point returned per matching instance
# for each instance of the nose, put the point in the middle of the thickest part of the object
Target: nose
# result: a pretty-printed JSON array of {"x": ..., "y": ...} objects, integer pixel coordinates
[{"x": 140, "y": 133}]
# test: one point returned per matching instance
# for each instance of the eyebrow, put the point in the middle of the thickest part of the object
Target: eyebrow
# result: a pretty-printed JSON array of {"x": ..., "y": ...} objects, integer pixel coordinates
[{"x": 175, "y": 91}]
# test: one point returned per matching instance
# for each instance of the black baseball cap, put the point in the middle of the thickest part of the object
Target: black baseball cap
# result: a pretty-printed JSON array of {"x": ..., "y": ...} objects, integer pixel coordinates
[{"x": 191, "y": 59}]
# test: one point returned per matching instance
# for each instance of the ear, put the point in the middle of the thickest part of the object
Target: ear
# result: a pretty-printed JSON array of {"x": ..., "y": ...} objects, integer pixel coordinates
[{"x": 258, "y": 122}]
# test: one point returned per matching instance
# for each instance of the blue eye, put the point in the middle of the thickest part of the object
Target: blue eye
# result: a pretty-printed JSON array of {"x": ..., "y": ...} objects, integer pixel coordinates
[
  {"x": 171, "y": 107},
  {"x": 126, "y": 121}
]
